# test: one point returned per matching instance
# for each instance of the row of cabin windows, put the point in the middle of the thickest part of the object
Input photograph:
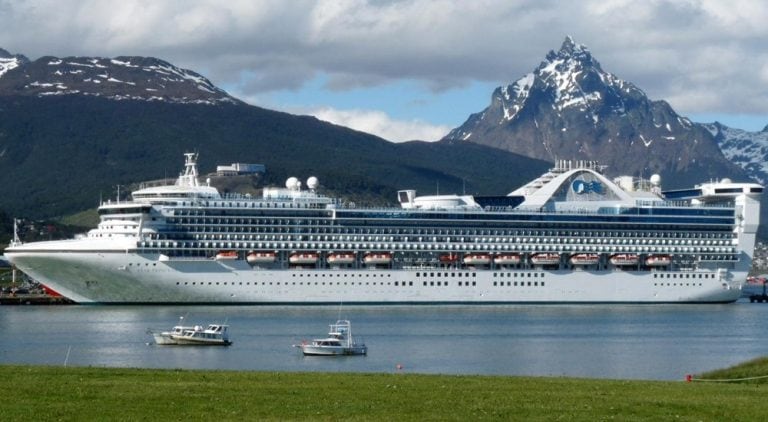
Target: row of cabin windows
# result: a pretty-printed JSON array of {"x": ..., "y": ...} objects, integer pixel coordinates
[
  {"x": 330, "y": 283},
  {"x": 446, "y": 274},
  {"x": 521, "y": 274},
  {"x": 358, "y": 275},
  {"x": 675, "y": 275},
  {"x": 397, "y": 239},
  {"x": 320, "y": 226},
  {"x": 294, "y": 283},
  {"x": 445, "y": 283},
  {"x": 520, "y": 283}
]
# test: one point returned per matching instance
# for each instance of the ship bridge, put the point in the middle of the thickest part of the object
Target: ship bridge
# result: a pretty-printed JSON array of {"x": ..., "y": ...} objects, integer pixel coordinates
[{"x": 187, "y": 187}]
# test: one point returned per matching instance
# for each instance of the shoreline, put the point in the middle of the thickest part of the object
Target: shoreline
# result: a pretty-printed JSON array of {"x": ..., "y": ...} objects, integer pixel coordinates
[{"x": 34, "y": 300}]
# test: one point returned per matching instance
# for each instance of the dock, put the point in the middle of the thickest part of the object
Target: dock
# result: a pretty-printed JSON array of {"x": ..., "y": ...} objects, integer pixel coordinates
[{"x": 33, "y": 299}]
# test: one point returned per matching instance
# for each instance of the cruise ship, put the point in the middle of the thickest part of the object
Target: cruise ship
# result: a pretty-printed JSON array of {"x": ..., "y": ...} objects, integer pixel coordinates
[{"x": 570, "y": 236}]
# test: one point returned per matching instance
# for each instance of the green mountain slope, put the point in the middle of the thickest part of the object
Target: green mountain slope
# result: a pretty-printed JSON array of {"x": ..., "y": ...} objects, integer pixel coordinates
[{"x": 61, "y": 154}]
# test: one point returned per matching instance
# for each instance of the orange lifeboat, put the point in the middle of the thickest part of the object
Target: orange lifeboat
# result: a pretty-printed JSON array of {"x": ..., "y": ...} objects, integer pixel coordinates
[
  {"x": 507, "y": 259},
  {"x": 377, "y": 258},
  {"x": 477, "y": 259},
  {"x": 658, "y": 260},
  {"x": 545, "y": 258},
  {"x": 585, "y": 259},
  {"x": 339, "y": 258},
  {"x": 226, "y": 255},
  {"x": 448, "y": 258},
  {"x": 624, "y": 259},
  {"x": 303, "y": 258},
  {"x": 260, "y": 257}
]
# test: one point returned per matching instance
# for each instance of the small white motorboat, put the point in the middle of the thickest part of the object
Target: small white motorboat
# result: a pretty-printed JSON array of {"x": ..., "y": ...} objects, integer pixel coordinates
[
  {"x": 163, "y": 338},
  {"x": 212, "y": 335},
  {"x": 339, "y": 342}
]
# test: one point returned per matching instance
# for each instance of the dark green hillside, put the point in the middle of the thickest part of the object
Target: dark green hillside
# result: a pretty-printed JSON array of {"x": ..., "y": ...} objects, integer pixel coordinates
[{"x": 59, "y": 155}]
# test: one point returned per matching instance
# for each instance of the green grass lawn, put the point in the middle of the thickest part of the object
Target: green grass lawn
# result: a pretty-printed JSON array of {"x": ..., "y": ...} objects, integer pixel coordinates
[{"x": 68, "y": 393}]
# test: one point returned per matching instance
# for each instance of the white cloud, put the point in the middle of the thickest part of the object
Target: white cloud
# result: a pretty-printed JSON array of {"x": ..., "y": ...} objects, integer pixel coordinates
[
  {"x": 382, "y": 125},
  {"x": 672, "y": 49}
]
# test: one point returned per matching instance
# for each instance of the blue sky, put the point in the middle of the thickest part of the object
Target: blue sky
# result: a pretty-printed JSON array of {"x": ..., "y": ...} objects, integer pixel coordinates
[
  {"x": 414, "y": 69},
  {"x": 402, "y": 101}
]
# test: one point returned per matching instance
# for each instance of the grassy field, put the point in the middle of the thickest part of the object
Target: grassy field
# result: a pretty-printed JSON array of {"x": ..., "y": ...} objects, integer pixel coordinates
[{"x": 67, "y": 393}]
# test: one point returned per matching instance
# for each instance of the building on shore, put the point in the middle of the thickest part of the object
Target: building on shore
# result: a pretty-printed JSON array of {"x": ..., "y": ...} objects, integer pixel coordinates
[{"x": 236, "y": 169}]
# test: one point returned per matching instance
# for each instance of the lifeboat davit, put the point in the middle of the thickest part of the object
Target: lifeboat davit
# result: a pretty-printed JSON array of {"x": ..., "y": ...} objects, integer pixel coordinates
[
  {"x": 377, "y": 258},
  {"x": 658, "y": 260},
  {"x": 624, "y": 259},
  {"x": 507, "y": 259},
  {"x": 545, "y": 258},
  {"x": 303, "y": 258},
  {"x": 477, "y": 259},
  {"x": 226, "y": 255},
  {"x": 260, "y": 257},
  {"x": 338, "y": 258},
  {"x": 585, "y": 259}
]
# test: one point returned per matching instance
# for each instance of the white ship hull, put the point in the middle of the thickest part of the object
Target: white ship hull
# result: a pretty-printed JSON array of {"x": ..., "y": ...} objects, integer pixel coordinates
[{"x": 120, "y": 277}]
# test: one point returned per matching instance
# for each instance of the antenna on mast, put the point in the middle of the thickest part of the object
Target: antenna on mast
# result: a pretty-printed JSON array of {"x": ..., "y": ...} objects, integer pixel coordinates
[{"x": 16, "y": 240}]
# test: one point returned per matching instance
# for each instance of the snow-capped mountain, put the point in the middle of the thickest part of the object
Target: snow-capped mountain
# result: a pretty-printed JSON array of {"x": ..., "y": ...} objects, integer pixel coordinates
[
  {"x": 749, "y": 150},
  {"x": 570, "y": 108},
  {"x": 119, "y": 78},
  {"x": 10, "y": 62}
]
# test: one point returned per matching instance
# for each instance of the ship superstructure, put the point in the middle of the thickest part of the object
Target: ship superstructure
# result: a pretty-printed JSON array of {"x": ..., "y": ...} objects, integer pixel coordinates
[{"x": 570, "y": 236}]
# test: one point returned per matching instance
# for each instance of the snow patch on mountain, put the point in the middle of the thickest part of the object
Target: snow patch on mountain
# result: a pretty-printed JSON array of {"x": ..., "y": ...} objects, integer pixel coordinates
[
  {"x": 749, "y": 150},
  {"x": 7, "y": 64},
  {"x": 118, "y": 78},
  {"x": 516, "y": 94}
]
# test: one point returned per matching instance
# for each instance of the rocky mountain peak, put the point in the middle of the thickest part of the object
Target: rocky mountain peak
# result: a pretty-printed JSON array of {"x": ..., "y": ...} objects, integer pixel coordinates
[
  {"x": 119, "y": 78},
  {"x": 571, "y": 52},
  {"x": 568, "y": 78},
  {"x": 569, "y": 107},
  {"x": 749, "y": 150}
]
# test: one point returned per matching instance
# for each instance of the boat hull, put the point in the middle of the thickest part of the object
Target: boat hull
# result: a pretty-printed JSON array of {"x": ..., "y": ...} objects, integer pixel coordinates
[
  {"x": 163, "y": 339},
  {"x": 310, "y": 350},
  {"x": 181, "y": 341},
  {"x": 120, "y": 277}
]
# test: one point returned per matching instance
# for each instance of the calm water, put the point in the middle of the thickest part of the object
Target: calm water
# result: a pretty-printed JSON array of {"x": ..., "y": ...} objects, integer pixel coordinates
[{"x": 662, "y": 342}]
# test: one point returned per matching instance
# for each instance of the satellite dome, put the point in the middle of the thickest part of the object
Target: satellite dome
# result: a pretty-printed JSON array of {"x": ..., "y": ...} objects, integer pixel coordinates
[
  {"x": 312, "y": 182},
  {"x": 655, "y": 180},
  {"x": 292, "y": 183},
  {"x": 726, "y": 180}
]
